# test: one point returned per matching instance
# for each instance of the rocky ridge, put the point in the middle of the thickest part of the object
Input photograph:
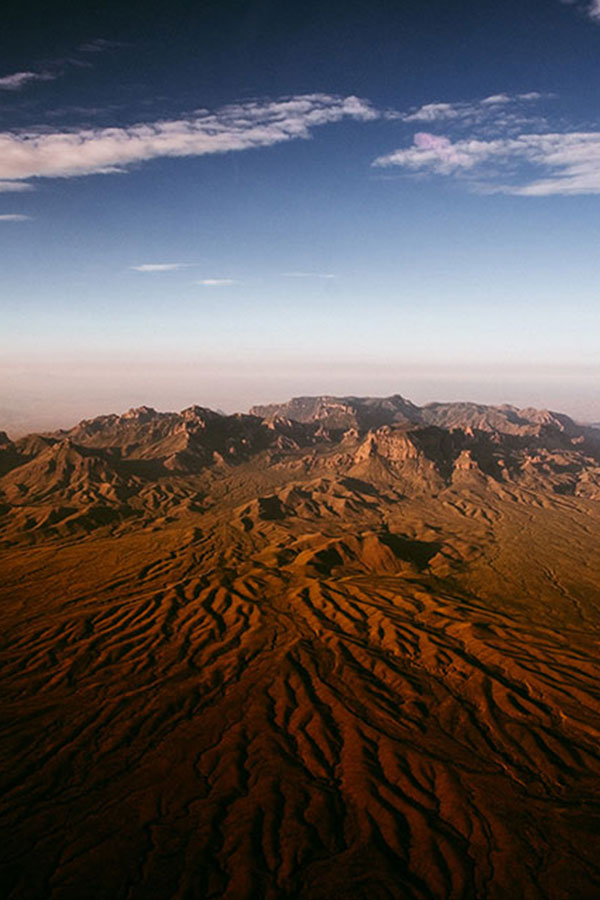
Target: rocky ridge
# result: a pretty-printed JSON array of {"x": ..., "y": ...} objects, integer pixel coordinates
[{"x": 117, "y": 467}]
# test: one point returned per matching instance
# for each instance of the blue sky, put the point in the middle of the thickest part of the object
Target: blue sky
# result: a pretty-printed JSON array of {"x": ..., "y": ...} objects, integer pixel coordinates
[{"x": 237, "y": 202}]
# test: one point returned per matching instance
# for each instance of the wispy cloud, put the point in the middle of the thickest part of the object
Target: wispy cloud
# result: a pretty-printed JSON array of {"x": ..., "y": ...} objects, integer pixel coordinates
[
  {"x": 14, "y": 187},
  {"x": 560, "y": 163},
  {"x": 237, "y": 127},
  {"x": 50, "y": 70},
  {"x": 217, "y": 282},
  {"x": 497, "y": 145},
  {"x": 472, "y": 112},
  {"x": 82, "y": 112},
  {"x": 590, "y": 8},
  {"x": 160, "y": 267},
  {"x": 308, "y": 275},
  {"x": 101, "y": 45},
  {"x": 13, "y": 217},
  {"x": 18, "y": 80}
]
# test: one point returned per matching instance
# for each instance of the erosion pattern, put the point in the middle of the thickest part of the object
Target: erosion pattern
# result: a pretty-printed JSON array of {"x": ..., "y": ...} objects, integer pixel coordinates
[{"x": 340, "y": 648}]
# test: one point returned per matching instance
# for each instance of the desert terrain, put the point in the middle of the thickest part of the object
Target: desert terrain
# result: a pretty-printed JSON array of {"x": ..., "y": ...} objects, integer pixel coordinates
[{"x": 336, "y": 648}]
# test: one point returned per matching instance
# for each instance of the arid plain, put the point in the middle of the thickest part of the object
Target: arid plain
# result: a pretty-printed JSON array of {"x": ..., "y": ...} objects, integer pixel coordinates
[{"x": 337, "y": 648}]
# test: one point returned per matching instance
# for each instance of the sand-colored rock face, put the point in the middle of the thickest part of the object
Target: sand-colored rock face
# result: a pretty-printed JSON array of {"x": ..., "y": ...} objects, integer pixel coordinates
[{"x": 271, "y": 659}]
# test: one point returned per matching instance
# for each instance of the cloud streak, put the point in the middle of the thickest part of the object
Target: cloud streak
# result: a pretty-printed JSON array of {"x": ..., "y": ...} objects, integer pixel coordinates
[
  {"x": 13, "y": 217},
  {"x": 474, "y": 112},
  {"x": 19, "y": 80},
  {"x": 50, "y": 70},
  {"x": 244, "y": 126},
  {"x": 308, "y": 275},
  {"x": 101, "y": 45},
  {"x": 217, "y": 282},
  {"x": 160, "y": 267},
  {"x": 13, "y": 187},
  {"x": 591, "y": 8},
  {"x": 566, "y": 164}
]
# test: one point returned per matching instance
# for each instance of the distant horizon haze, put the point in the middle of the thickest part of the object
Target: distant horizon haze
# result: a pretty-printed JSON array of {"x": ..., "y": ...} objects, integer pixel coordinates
[{"x": 75, "y": 393}]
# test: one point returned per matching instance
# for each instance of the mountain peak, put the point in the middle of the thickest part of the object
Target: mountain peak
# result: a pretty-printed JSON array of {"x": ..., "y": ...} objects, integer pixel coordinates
[{"x": 140, "y": 413}]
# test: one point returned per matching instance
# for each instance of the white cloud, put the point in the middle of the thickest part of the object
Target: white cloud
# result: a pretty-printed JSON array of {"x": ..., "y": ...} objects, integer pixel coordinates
[
  {"x": 475, "y": 111},
  {"x": 569, "y": 163},
  {"x": 591, "y": 8},
  {"x": 14, "y": 187},
  {"x": 433, "y": 112},
  {"x": 13, "y": 217},
  {"x": 535, "y": 95},
  {"x": 496, "y": 99},
  {"x": 19, "y": 79},
  {"x": 217, "y": 282},
  {"x": 237, "y": 127},
  {"x": 56, "y": 67},
  {"x": 159, "y": 267},
  {"x": 100, "y": 45},
  {"x": 308, "y": 275}
]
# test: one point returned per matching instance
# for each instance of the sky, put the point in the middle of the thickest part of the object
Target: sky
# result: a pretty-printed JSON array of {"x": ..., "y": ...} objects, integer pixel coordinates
[{"x": 229, "y": 203}]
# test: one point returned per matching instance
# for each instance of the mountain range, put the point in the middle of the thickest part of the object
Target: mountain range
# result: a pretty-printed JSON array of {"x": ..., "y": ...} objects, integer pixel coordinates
[
  {"x": 115, "y": 466},
  {"x": 334, "y": 648}
]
